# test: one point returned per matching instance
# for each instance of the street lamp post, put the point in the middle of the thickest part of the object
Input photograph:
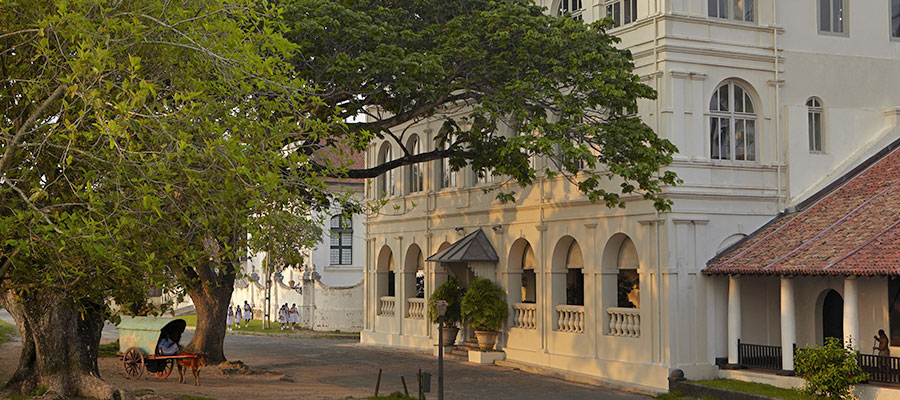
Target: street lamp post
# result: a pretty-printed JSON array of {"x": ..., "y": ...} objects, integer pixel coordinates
[{"x": 441, "y": 308}]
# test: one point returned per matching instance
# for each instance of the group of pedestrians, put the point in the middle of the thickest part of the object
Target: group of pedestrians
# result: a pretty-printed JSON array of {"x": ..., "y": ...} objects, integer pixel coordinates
[
  {"x": 288, "y": 317},
  {"x": 238, "y": 315}
]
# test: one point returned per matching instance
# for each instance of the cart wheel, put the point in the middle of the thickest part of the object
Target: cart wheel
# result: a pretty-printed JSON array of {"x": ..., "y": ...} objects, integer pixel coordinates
[
  {"x": 170, "y": 364},
  {"x": 133, "y": 362}
]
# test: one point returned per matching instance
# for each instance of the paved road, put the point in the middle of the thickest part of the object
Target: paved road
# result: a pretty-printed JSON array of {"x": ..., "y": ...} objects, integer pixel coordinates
[{"x": 335, "y": 368}]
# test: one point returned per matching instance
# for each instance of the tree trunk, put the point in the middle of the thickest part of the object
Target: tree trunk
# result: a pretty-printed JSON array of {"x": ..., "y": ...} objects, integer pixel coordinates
[
  {"x": 212, "y": 306},
  {"x": 59, "y": 346}
]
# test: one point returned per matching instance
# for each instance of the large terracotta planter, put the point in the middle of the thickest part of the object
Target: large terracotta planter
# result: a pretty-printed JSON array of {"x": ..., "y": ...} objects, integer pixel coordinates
[
  {"x": 450, "y": 333},
  {"x": 486, "y": 339}
]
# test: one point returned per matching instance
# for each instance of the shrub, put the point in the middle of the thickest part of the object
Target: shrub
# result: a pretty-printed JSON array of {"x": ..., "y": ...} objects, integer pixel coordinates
[
  {"x": 829, "y": 370},
  {"x": 451, "y": 293},
  {"x": 484, "y": 305}
]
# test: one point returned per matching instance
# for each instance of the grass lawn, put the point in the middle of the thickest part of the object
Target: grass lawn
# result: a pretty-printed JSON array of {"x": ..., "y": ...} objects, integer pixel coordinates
[
  {"x": 108, "y": 350},
  {"x": 756, "y": 388},
  {"x": 6, "y": 331}
]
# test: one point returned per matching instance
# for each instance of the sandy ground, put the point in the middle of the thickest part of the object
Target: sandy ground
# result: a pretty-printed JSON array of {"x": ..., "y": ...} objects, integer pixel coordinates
[{"x": 310, "y": 368}]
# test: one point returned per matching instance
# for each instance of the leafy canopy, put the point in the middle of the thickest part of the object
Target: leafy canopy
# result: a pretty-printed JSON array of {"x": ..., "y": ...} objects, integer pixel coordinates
[
  {"x": 140, "y": 138},
  {"x": 508, "y": 81}
]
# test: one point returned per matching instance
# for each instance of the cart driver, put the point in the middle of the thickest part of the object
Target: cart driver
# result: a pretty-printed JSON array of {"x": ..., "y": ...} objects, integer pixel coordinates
[{"x": 168, "y": 346}]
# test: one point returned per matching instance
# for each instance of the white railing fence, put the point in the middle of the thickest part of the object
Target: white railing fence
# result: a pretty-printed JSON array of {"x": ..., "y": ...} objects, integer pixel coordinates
[
  {"x": 624, "y": 321},
  {"x": 416, "y": 308},
  {"x": 571, "y": 318},
  {"x": 387, "y": 306},
  {"x": 524, "y": 315}
]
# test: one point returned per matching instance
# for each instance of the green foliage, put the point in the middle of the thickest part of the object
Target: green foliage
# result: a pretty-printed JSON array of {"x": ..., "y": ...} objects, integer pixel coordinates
[
  {"x": 7, "y": 330},
  {"x": 505, "y": 80},
  {"x": 450, "y": 292},
  {"x": 829, "y": 370},
  {"x": 484, "y": 305},
  {"x": 760, "y": 389},
  {"x": 108, "y": 350}
]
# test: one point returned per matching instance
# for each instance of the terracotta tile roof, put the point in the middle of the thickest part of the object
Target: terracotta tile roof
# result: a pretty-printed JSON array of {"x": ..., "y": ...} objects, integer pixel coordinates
[
  {"x": 331, "y": 156},
  {"x": 852, "y": 227}
]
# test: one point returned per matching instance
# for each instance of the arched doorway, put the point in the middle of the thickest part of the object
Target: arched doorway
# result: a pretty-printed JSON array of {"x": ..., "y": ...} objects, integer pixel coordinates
[{"x": 833, "y": 316}]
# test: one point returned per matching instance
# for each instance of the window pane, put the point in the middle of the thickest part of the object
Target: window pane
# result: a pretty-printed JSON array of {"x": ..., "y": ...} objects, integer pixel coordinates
[
  {"x": 713, "y": 8},
  {"x": 748, "y": 103},
  {"x": 723, "y": 98},
  {"x": 724, "y": 134},
  {"x": 616, "y": 13},
  {"x": 748, "y": 10},
  {"x": 346, "y": 240},
  {"x": 714, "y": 103},
  {"x": 634, "y": 14},
  {"x": 627, "y": 12},
  {"x": 739, "y": 139},
  {"x": 738, "y": 99},
  {"x": 346, "y": 257},
  {"x": 723, "y": 8},
  {"x": 812, "y": 130},
  {"x": 895, "y": 18},
  {"x": 825, "y": 15},
  {"x": 750, "y": 133},
  {"x": 817, "y": 132},
  {"x": 738, "y": 9},
  {"x": 335, "y": 257},
  {"x": 714, "y": 138},
  {"x": 837, "y": 16},
  {"x": 335, "y": 239}
]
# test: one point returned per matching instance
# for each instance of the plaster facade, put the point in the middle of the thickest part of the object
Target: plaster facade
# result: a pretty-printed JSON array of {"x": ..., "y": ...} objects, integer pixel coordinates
[{"x": 780, "y": 60}]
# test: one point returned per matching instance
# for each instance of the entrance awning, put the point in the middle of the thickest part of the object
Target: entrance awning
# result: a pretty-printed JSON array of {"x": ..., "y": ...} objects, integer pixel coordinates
[{"x": 473, "y": 247}]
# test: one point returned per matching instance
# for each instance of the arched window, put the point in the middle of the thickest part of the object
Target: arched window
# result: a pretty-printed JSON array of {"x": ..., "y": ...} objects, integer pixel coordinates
[
  {"x": 622, "y": 12},
  {"x": 629, "y": 281},
  {"x": 574, "y": 276},
  {"x": 341, "y": 240},
  {"x": 573, "y": 7},
  {"x": 446, "y": 175},
  {"x": 732, "y": 124},
  {"x": 814, "y": 118},
  {"x": 414, "y": 171},
  {"x": 385, "y": 182},
  {"x": 529, "y": 278}
]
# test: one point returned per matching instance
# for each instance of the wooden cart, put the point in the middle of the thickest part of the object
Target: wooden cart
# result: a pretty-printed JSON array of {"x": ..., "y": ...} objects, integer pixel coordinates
[{"x": 138, "y": 341}]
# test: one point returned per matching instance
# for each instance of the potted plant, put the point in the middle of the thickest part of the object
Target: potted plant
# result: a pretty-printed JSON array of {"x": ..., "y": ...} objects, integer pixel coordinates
[
  {"x": 484, "y": 307},
  {"x": 451, "y": 293}
]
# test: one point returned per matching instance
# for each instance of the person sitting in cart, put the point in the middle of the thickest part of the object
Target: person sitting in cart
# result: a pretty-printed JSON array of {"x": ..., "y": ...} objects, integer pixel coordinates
[{"x": 168, "y": 346}]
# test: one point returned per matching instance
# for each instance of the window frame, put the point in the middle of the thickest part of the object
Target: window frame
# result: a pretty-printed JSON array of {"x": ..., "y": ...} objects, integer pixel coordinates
[
  {"x": 623, "y": 5},
  {"x": 732, "y": 116},
  {"x": 344, "y": 228},
  {"x": 730, "y": 14},
  {"x": 577, "y": 14},
  {"x": 415, "y": 178},
  {"x": 444, "y": 170},
  {"x": 891, "y": 35},
  {"x": 814, "y": 107},
  {"x": 386, "y": 180},
  {"x": 845, "y": 27}
]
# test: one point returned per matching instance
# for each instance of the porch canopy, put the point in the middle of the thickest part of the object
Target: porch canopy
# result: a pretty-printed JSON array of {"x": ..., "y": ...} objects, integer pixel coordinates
[
  {"x": 851, "y": 228},
  {"x": 472, "y": 247}
]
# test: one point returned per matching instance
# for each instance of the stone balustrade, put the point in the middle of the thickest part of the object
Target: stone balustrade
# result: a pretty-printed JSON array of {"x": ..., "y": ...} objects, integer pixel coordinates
[
  {"x": 571, "y": 318},
  {"x": 415, "y": 308},
  {"x": 387, "y": 306},
  {"x": 624, "y": 321},
  {"x": 524, "y": 315}
]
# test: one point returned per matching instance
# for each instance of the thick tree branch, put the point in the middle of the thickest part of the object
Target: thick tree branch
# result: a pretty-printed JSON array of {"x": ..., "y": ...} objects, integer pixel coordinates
[
  {"x": 10, "y": 147},
  {"x": 399, "y": 162}
]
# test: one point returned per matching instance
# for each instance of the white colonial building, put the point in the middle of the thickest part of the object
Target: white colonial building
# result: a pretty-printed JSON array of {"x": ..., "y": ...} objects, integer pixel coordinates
[{"x": 773, "y": 105}]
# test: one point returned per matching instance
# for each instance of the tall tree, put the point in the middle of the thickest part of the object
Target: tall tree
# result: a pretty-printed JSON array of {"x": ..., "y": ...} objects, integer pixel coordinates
[
  {"x": 139, "y": 139},
  {"x": 508, "y": 80}
]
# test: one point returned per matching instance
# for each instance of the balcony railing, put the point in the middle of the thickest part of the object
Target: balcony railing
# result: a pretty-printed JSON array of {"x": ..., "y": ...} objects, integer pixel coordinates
[
  {"x": 524, "y": 315},
  {"x": 571, "y": 318},
  {"x": 387, "y": 306},
  {"x": 880, "y": 368},
  {"x": 624, "y": 322},
  {"x": 759, "y": 356},
  {"x": 416, "y": 308}
]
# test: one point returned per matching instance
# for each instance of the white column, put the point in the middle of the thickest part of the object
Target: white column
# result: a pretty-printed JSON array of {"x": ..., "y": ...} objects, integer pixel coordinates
[
  {"x": 734, "y": 318},
  {"x": 851, "y": 312},
  {"x": 788, "y": 324}
]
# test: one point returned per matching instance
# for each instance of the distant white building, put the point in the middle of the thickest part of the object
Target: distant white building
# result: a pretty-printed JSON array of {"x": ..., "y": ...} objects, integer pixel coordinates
[
  {"x": 770, "y": 102},
  {"x": 328, "y": 287}
]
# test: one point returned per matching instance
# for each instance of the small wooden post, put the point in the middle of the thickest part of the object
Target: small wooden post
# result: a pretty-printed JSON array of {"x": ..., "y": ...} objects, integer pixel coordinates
[
  {"x": 378, "y": 384},
  {"x": 405, "y": 390},
  {"x": 419, "y": 376}
]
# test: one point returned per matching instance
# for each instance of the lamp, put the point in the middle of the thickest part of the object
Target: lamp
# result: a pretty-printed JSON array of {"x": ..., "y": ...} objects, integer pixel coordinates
[
  {"x": 497, "y": 228},
  {"x": 440, "y": 306},
  {"x": 460, "y": 230}
]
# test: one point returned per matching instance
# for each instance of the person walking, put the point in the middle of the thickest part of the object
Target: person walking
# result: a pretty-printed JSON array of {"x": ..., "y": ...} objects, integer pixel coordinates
[
  {"x": 248, "y": 314},
  {"x": 230, "y": 319},
  {"x": 281, "y": 317},
  {"x": 295, "y": 316},
  {"x": 237, "y": 316}
]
